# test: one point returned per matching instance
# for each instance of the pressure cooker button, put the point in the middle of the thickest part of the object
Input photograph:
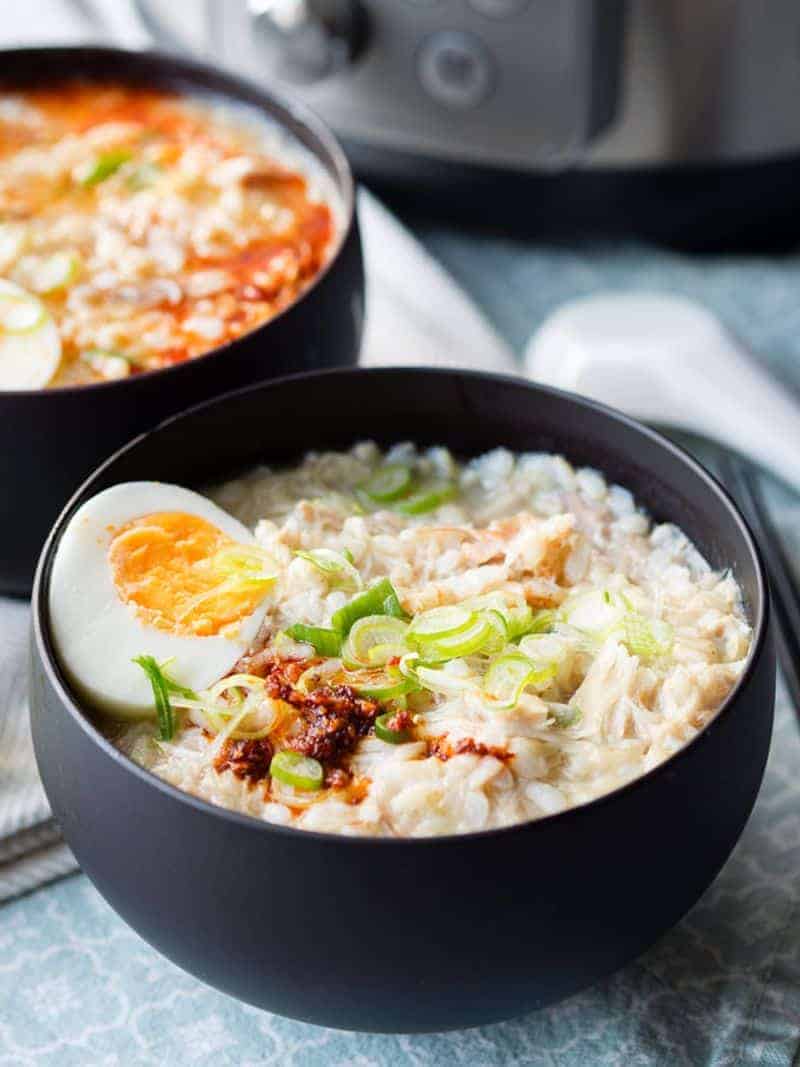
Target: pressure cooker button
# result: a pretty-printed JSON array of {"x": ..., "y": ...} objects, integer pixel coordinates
[
  {"x": 498, "y": 9},
  {"x": 455, "y": 68}
]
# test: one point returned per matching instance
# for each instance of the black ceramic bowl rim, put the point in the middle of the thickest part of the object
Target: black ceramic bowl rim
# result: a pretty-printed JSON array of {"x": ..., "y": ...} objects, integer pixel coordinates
[
  {"x": 224, "y": 85},
  {"x": 41, "y": 626}
]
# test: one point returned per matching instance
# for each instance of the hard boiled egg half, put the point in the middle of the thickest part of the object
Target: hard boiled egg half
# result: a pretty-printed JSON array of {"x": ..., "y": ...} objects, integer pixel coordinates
[{"x": 147, "y": 568}]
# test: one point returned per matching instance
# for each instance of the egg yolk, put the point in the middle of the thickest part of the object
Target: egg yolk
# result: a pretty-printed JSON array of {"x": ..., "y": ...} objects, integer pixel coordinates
[{"x": 184, "y": 575}]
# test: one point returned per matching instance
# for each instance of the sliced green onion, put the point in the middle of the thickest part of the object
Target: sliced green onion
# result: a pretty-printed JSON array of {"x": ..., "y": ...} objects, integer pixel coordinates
[
  {"x": 518, "y": 620},
  {"x": 464, "y": 643},
  {"x": 379, "y": 599},
  {"x": 385, "y": 733},
  {"x": 21, "y": 314},
  {"x": 517, "y": 616},
  {"x": 246, "y": 564},
  {"x": 388, "y": 483},
  {"x": 250, "y": 691},
  {"x": 626, "y": 601},
  {"x": 162, "y": 686},
  {"x": 364, "y": 503},
  {"x": 96, "y": 170},
  {"x": 337, "y": 568},
  {"x": 30, "y": 344},
  {"x": 450, "y": 632},
  {"x": 443, "y": 463},
  {"x": 439, "y": 681},
  {"x": 379, "y": 655},
  {"x": 540, "y": 622},
  {"x": 384, "y": 685},
  {"x": 296, "y": 770},
  {"x": 427, "y": 498},
  {"x": 440, "y": 622},
  {"x": 603, "y": 613},
  {"x": 501, "y": 637},
  {"x": 408, "y": 664},
  {"x": 242, "y": 568},
  {"x": 506, "y": 678},
  {"x": 391, "y": 601},
  {"x": 247, "y": 683},
  {"x": 286, "y": 646},
  {"x": 565, "y": 715},
  {"x": 374, "y": 640},
  {"x": 175, "y": 687},
  {"x": 646, "y": 638},
  {"x": 509, "y": 675},
  {"x": 56, "y": 272},
  {"x": 325, "y": 642}
]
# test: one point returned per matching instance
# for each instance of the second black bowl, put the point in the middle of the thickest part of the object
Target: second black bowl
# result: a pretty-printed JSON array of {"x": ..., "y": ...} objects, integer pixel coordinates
[
  {"x": 51, "y": 439},
  {"x": 414, "y": 934}
]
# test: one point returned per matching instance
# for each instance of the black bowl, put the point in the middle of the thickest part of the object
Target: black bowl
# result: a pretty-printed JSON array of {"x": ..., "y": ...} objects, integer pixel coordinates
[
  {"x": 50, "y": 440},
  {"x": 410, "y": 935}
]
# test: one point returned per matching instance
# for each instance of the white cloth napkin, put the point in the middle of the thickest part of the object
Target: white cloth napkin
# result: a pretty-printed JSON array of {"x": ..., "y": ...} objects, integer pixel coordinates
[{"x": 416, "y": 314}]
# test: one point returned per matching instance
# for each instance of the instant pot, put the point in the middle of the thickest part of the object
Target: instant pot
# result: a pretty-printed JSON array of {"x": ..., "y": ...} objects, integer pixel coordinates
[{"x": 668, "y": 118}]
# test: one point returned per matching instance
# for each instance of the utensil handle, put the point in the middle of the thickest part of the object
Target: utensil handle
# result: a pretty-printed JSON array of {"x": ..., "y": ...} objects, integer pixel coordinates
[
  {"x": 668, "y": 360},
  {"x": 742, "y": 405}
]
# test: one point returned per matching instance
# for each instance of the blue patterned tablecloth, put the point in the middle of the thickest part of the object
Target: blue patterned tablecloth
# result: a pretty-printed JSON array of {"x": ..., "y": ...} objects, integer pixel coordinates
[{"x": 723, "y": 988}]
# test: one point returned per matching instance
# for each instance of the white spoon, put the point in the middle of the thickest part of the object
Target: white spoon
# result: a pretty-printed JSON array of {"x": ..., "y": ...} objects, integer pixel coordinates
[{"x": 666, "y": 359}]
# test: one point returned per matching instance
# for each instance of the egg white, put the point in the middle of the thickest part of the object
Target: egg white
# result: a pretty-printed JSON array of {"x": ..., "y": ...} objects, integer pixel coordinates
[{"x": 97, "y": 636}]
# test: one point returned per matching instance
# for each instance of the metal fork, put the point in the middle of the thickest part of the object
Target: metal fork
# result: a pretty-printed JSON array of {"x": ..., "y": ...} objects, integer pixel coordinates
[{"x": 742, "y": 481}]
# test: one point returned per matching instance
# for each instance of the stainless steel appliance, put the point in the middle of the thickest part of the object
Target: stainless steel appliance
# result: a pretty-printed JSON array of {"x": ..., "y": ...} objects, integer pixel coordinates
[{"x": 449, "y": 94}]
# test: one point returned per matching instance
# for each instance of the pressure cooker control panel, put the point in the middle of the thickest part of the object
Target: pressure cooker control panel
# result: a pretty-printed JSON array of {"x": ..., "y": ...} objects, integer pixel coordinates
[{"x": 504, "y": 82}]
